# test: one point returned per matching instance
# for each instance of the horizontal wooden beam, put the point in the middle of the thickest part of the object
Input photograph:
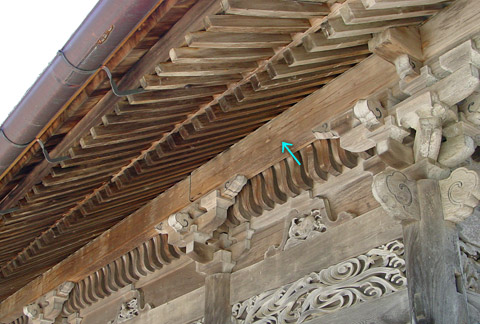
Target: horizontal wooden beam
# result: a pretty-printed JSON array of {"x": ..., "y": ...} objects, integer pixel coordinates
[
  {"x": 262, "y": 148},
  {"x": 365, "y": 232},
  {"x": 450, "y": 27},
  {"x": 334, "y": 98}
]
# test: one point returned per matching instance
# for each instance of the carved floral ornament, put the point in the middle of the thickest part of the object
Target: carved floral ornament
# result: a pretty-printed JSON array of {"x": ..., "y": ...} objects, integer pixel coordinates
[{"x": 378, "y": 272}]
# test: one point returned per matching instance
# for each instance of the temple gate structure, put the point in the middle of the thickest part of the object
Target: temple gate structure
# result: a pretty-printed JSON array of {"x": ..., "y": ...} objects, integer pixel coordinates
[{"x": 164, "y": 192}]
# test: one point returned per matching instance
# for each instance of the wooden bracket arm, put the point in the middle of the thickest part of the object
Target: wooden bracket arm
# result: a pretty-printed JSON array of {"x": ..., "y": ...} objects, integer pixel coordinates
[
  {"x": 397, "y": 194},
  {"x": 47, "y": 308},
  {"x": 193, "y": 226},
  {"x": 460, "y": 194}
]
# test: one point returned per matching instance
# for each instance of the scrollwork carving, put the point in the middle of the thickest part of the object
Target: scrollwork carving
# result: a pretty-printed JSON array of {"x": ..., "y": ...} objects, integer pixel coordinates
[
  {"x": 370, "y": 113},
  {"x": 397, "y": 195},
  {"x": 180, "y": 222},
  {"x": 460, "y": 194},
  {"x": 379, "y": 272}
]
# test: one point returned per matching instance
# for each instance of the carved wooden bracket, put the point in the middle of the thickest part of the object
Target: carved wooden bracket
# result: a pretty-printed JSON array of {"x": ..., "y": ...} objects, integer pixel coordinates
[
  {"x": 460, "y": 194},
  {"x": 431, "y": 111},
  {"x": 192, "y": 227},
  {"x": 47, "y": 308},
  {"x": 462, "y": 55},
  {"x": 397, "y": 194}
]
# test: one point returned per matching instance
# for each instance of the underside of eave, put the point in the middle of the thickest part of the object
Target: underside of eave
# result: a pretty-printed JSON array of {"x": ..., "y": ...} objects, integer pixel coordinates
[{"x": 193, "y": 112}]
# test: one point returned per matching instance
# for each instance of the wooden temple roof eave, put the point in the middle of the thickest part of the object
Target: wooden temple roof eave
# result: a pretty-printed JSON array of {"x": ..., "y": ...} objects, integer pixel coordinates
[
  {"x": 123, "y": 48},
  {"x": 177, "y": 197},
  {"x": 130, "y": 80},
  {"x": 200, "y": 186}
]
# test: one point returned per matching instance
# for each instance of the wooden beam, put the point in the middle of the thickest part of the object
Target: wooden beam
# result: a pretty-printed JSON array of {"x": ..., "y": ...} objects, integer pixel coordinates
[
  {"x": 294, "y": 125},
  {"x": 391, "y": 309},
  {"x": 333, "y": 99},
  {"x": 450, "y": 27},
  {"x": 365, "y": 232}
]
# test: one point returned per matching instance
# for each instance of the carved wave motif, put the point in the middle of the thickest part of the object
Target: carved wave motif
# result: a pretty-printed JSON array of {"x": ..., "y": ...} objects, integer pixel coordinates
[
  {"x": 379, "y": 272},
  {"x": 285, "y": 179},
  {"x": 147, "y": 258}
]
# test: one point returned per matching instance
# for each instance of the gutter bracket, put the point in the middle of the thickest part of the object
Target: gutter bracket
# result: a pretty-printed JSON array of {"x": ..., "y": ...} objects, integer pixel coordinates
[
  {"x": 47, "y": 156},
  {"x": 114, "y": 86}
]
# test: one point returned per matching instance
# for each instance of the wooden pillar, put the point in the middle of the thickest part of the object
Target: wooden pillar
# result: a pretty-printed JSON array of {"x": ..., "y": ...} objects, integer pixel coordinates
[
  {"x": 217, "y": 299},
  {"x": 435, "y": 286},
  {"x": 428, "y": 210}
]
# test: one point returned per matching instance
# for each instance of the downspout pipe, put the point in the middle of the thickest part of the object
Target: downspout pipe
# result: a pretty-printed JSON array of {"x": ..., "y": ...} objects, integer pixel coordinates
[{"x": 105, "y": 27}]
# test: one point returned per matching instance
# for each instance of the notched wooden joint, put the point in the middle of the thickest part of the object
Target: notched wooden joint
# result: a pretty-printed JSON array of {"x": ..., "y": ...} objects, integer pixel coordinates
[
  {"x": 48, "y": 307},
  {"x": 193, "y": 228}
]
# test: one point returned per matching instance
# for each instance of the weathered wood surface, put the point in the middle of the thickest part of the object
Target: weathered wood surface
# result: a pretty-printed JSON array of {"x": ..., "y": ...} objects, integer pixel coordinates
[
  {"x": 141, "y": 234},
  {"x": 182, "y": 310},
  {"x": 217, "y": 299},
  {"x": 334, "y": 98},
  {"x": 392, "y": 309},
  {"x": 364, "y": 232},
  {"x": 450, "y": 27},
  {"x": 435, "y": 284}
]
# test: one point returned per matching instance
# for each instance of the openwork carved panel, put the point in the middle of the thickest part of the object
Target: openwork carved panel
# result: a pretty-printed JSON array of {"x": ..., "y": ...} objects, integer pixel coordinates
[{"x": 379, "y": 272}]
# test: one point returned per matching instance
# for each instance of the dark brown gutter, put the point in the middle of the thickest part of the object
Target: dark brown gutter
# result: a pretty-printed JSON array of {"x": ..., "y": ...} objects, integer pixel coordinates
[{"x": 109, "y": 22}]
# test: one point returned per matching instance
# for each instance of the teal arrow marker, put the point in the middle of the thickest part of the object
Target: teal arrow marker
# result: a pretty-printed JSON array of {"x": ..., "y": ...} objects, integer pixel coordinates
[{"x": 285, "y": 145}]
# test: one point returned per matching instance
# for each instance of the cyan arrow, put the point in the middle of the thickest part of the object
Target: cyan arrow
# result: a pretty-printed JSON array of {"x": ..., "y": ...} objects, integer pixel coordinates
[{"x": 285, "y": 145}]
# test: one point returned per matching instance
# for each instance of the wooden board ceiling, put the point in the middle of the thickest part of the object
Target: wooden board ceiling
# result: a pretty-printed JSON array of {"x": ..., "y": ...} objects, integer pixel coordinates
[{"x": 221, "y": 70}]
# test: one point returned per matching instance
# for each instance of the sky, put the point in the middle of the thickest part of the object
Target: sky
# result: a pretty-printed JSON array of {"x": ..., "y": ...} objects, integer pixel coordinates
[{"x": 32, "y": 32}]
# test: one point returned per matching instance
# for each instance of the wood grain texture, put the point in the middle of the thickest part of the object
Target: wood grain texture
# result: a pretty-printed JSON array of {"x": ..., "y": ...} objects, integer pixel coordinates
[
  {"x": 433, "y": 262},
  {"x": 452, "y": 26},
  {"x": 364, "y": 232},
  {"x": 294, "y": 125}
]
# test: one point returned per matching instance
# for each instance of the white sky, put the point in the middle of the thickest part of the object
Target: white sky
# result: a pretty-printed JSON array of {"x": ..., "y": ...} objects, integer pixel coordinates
[{"x": 32, "y": 31}]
